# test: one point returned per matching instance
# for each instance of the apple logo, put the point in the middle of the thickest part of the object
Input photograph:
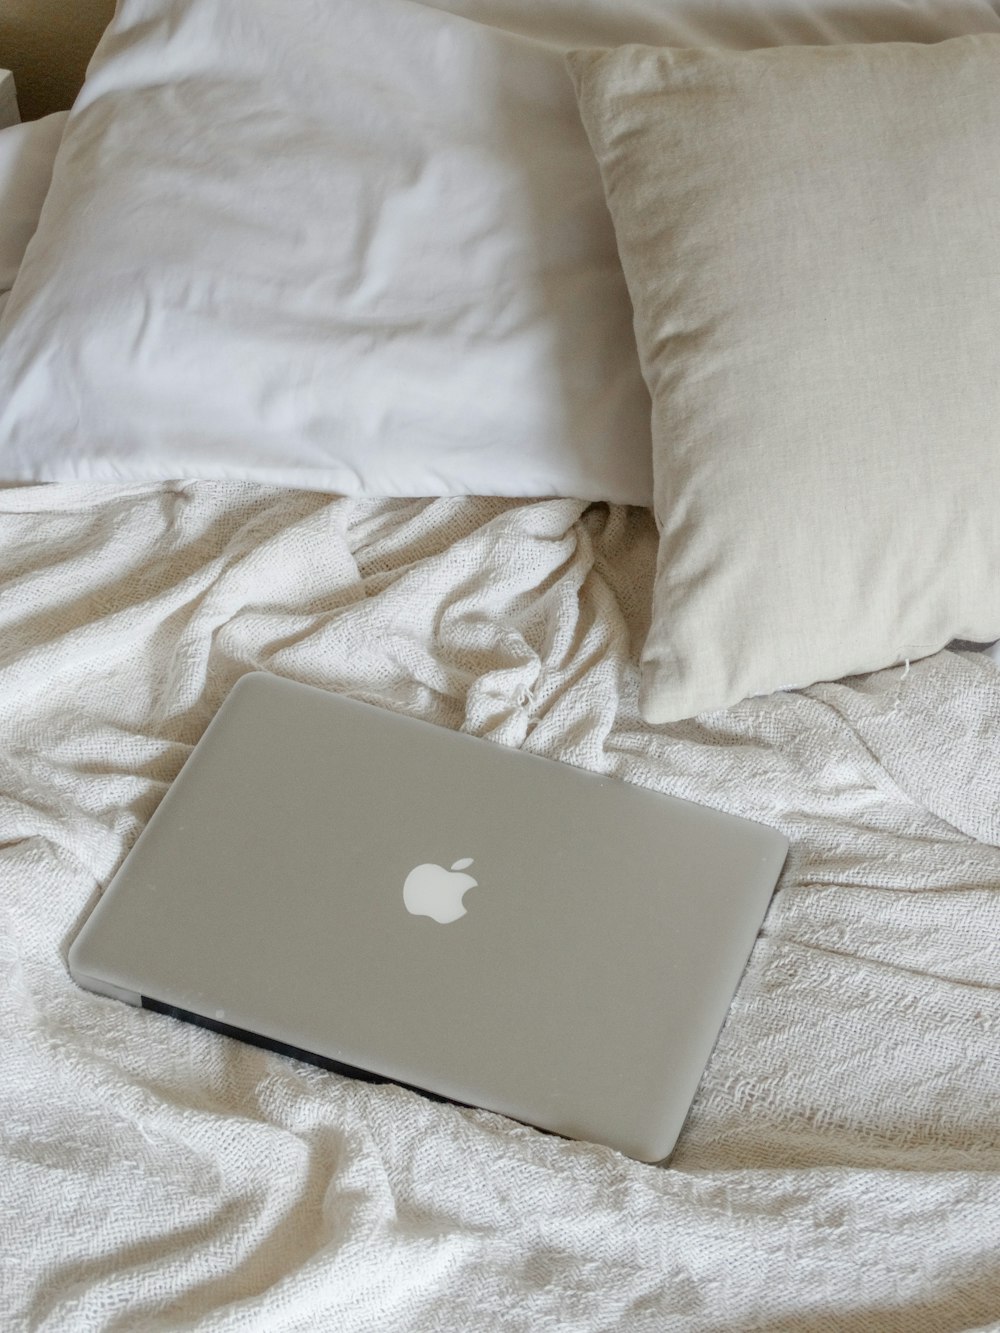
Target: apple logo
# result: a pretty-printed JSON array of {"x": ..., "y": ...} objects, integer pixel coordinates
[{"x": 430, "y": 890}]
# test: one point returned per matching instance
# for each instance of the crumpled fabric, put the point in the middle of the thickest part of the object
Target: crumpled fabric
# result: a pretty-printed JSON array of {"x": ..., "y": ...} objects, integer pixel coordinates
[{"x": 838, "y": 1170}]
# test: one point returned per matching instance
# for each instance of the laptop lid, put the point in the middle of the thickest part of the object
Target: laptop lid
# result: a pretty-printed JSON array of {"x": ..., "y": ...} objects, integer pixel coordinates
[{"x": 370, "y": 891}]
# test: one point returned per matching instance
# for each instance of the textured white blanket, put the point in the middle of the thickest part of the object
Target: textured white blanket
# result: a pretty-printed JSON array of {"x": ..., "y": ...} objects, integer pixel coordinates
[{"x": 841, "y": 1167}]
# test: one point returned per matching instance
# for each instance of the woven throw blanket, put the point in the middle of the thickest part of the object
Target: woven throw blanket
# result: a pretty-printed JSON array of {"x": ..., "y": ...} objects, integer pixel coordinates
[{"x": 840, "y": 1169}]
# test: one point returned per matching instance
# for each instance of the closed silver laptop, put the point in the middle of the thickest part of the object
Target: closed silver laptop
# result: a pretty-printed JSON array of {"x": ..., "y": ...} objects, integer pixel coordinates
[{"x": 390, "y": 898}]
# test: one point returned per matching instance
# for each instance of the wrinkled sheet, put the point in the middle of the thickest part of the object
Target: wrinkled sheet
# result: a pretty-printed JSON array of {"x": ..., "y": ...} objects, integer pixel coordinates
[{"x": 839, "y": 1169}]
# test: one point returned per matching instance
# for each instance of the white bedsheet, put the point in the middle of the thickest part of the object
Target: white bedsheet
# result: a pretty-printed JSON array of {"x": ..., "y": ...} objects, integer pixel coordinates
[{"x": 839, "y": 1170}]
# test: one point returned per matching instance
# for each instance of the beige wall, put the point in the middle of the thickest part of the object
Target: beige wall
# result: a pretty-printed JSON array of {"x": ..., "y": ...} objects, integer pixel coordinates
[{"x": 47, "y": 44}]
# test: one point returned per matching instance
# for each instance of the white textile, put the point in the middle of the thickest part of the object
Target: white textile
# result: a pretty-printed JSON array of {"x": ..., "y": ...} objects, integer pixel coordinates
[
  {"x": 839, "y": 1170},
  {"x": 355, "y": 245},
  {"x": 27, "y": 152}
]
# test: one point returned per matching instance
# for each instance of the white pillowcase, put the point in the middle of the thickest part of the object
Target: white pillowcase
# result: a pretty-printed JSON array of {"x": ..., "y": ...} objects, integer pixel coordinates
[
  {"x": 27, "y": 153},
  {"x": 356, "y": 245}
]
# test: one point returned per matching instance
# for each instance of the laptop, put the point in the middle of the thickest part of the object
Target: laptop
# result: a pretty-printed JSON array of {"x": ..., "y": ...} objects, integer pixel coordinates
[{"x": 394, "y": 900}]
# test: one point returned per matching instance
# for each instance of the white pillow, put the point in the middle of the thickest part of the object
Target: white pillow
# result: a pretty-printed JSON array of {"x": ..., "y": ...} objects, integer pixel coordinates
[
  {"x": 27, "y": 153},
  {"x": 359, "y": 246},
  {"x": 811, "y": 237}
]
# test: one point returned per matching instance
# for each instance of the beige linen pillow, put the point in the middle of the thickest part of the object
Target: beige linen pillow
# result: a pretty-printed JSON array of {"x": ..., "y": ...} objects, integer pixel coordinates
[{"x": 811, "y": 239}]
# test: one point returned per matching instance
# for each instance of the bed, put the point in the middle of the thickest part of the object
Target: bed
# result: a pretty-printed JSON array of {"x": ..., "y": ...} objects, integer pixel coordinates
[{"x": 838, "y": 1170}]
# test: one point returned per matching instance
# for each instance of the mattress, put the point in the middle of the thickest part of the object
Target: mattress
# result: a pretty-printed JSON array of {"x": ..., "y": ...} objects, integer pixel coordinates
[{"x": 838, "y": 1168}]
